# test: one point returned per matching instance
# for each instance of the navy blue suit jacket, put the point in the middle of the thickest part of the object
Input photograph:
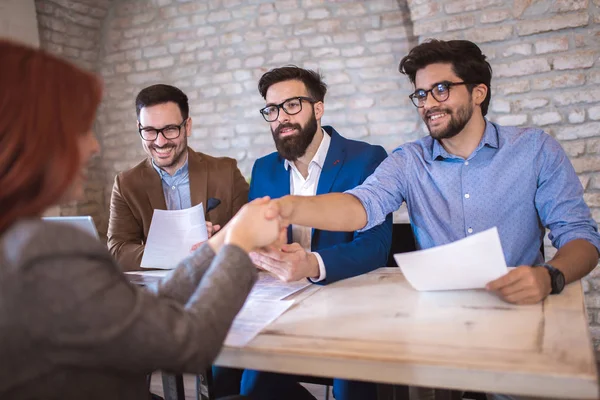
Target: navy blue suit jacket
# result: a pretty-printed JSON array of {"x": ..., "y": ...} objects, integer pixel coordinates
[{"x": 347, "y": 165}]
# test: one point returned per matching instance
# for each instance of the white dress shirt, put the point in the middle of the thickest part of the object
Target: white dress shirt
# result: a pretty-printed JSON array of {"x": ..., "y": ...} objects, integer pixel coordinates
[{"x": 308, "y": 187}]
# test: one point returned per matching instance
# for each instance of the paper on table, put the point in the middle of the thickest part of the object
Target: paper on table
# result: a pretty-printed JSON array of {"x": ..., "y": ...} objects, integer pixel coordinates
[
  {"x": 254, "y": 316},
  {"x": 268, "y": 287},
  {"x": 171, "y": 236},
  {"x": 468, "y": 263},
  {"x": 145, "y": 278}
]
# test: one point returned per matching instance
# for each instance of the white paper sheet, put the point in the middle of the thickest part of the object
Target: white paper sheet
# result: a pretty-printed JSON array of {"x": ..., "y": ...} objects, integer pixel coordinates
[
  {"x": 268, "y": 287},
  {"x": 254, "y": 316},
  {"x": 145, "y": 278},
  {"x": 468, "y": 263},
  {"x": 171, "y": 236}
]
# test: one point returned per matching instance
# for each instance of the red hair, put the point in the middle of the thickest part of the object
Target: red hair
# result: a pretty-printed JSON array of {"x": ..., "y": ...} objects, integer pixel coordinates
[{"x": 45, "y": 105}]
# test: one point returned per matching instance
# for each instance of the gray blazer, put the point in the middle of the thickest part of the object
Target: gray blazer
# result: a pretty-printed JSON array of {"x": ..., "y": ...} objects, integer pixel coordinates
[{"x": 73, "y": 327}]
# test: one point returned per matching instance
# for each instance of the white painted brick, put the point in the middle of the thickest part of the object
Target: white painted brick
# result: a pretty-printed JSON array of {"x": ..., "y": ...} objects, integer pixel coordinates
[
  {"x": 594, "y": 114},
  {"x": 559, "y": 81},
  {"x": 555, "y": 23},
  {"x": 379, "y": 87},
  {"x": 575, "y": 60},
  {"x": 574, "y": 148},
  {"x": 349, "y": 37},
  {"x": 546, "y": 118},
  {"x": 500, "y": 105},
  {"x": 551, "y": 45},
  {"x": 492, "y": 34},
  {"x": 281, "y": 57},
  {"x": 523, "y": 49},
  {"x": 576, "y": 116},
  {"x": 316, "y": 41},
  {"x": 353, "y": 51},
  {"x": 490, "y": 17},
  {"x": 426, "y": 10},
  {"x": 254, "y": 62},
  {"x": 149, "y": 52},
  {"x": 586, "y": 130},
  {"x": 512, "y": 120},
  {"x": 291, "y": 17},
  {"x": 460, "y": 22},
  {"x": 325, "y": 52},
  {"x": 318, "y": 13},
  {"x": 588, "y": 164},
  {"x": 331, "y": 65},
  {"x": 522, "y": 67},
  {"x": 588, "y": 95},
  {"x": 361, "y": 103},
  {"x": 329, "y": 26},
  {"x": 531, "y": 103}
]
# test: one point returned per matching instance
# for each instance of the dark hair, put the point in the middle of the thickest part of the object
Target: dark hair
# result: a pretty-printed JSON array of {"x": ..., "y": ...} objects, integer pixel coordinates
[
  {"x": 468, "y": 62},
  {"x": 46, "y": 104},
  {"x": 312, "y": 80},
  {"x": 160, "y": 94}
]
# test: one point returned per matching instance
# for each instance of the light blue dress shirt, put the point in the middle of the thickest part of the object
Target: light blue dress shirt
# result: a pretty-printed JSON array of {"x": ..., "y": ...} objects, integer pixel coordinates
[
  {"x": 176, "y": 188},
  {"x": 517, "y": 179}
]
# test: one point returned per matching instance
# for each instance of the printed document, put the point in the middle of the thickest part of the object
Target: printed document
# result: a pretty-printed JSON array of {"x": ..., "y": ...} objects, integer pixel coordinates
[
  {"x": 268, "y": 287},
  {"x": 468, "y": 263},
  {"x": 254, "y": 316},
  {"x": 171, "y": 236}
]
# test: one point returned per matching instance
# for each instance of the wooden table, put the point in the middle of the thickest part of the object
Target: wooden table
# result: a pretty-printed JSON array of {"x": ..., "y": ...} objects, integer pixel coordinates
[{"x": 375, "y": 327}]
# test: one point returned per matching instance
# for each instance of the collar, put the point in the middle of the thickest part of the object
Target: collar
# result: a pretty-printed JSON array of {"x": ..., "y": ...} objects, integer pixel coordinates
[
  {"x": 490, "y": 139},
  {"x": 320, "y": 155},
  {"x": 164, "y": 174}
]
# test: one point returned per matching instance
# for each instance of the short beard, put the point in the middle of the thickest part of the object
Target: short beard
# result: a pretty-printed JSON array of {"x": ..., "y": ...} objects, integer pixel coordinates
[
  {"x": 293, "y": 147},
  {"x": 456, "y": 125},
  {"x": 176, "y": 157}
]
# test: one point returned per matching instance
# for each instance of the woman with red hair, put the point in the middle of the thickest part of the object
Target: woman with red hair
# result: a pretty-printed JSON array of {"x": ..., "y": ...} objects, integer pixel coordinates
[{"x": 71, "y": 325}]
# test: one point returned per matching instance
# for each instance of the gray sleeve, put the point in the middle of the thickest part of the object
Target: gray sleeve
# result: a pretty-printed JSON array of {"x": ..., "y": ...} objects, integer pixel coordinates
[
  {"x": 83, "y": 311},
  {"x": 180, "y": 283}
]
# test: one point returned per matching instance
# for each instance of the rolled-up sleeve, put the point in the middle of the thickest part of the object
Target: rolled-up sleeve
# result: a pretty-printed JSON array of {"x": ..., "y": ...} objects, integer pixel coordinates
[
  {"x": 384, "y": 191},
  {"x": 559, "y": 198}
]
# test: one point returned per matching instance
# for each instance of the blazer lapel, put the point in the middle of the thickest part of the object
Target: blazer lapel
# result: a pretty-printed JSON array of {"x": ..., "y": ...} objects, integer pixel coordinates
[
  {"x": 198, "y": 178},
  {"x": 153, "y": 185},
  {"x": 333, "y": 162},
  {"x": 280, "y": 186},
  {"x": 331, "y": 167}
]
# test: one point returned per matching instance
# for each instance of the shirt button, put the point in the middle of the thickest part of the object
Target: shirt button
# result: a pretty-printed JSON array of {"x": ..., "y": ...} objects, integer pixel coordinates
[
  {"x": 173, "y": 187},
  {"x": 470, "y": 230},
  {"x": 467, "y": 195},
  {"x": 466, "y": 163}
]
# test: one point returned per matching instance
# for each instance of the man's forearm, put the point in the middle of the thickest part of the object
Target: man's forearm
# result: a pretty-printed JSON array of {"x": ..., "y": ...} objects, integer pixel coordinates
[
  {"x": 332, "y": 212},
  {"x": 575, "y": 259}
]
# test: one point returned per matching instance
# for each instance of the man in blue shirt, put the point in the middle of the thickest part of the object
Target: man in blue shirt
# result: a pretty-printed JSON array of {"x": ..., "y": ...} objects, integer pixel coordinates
[{"x": 469, "y": 175}]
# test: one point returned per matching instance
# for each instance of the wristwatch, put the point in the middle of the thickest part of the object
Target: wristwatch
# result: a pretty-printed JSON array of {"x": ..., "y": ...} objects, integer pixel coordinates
[{"x": 557, "y": 278}]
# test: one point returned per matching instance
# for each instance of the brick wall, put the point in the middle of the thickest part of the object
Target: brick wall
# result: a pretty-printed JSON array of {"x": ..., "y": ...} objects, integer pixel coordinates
[
  {"x": 215, "y": 51},
  {"x": 73, "y": 30},
  {"x": 544, "y": 54}
]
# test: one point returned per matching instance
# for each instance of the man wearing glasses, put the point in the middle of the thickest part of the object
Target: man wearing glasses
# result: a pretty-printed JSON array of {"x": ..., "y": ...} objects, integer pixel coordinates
[
  {"x": 173, "y": 177},
  {"x": 470, "y": 175},
  {"x": 310, "y": 159}
]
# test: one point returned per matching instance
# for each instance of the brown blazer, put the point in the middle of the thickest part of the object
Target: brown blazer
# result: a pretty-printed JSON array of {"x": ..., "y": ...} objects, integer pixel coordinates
[{"x": 138, "y": 192}]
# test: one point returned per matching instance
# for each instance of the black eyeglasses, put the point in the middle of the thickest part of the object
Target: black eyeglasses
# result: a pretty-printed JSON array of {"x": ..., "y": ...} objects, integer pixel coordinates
[
  {"x": 291, "y": 107},
  {"x": 169, "y": 132},
  {"x": 439, "y": 91}
]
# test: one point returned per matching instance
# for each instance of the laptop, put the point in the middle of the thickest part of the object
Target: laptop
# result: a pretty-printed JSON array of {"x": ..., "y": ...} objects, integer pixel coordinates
[{"x": 85, "y": 223}]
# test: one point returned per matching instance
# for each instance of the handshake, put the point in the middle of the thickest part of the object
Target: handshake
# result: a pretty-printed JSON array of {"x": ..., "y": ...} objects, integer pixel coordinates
[{"x": 258, "y": 224}]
